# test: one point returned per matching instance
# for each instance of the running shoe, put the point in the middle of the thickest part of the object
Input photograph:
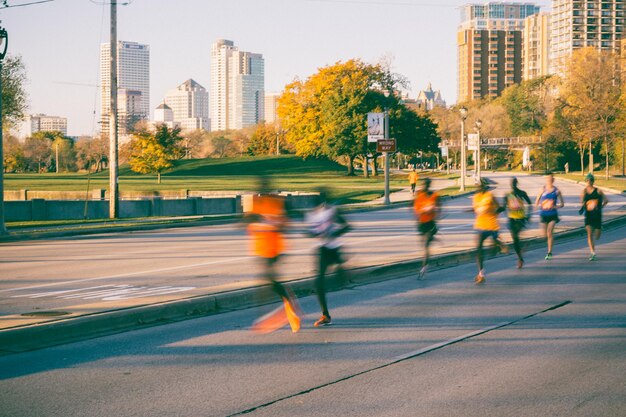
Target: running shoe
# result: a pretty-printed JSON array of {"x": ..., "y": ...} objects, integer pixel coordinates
[
  {"x": 422, "y": 273},
  {"x": 480, "y": 279},
  {"x": 323, "y": 321},
  {"x": 549, "y": 256},
  {"x": 520, "y": 263},
  {"x": 592, "y": 257},
  {"x": 292, "y": 316}
]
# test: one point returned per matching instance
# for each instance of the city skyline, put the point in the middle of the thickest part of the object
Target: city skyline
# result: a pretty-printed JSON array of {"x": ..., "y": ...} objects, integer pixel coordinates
[{"x": 292, "y": 46}]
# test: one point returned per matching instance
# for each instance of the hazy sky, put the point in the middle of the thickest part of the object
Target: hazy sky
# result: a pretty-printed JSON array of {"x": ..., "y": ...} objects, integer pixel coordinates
[{"x": 60, "y": 40}]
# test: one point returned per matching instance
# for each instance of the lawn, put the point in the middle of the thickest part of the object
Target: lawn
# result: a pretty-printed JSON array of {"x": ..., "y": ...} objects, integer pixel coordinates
[
  {"x": 615, "y": 183},
  {"x": 288, "y": 173}
]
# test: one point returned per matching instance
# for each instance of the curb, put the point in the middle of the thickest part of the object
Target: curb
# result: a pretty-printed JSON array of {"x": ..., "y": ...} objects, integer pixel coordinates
[
  {"x": 605, "y": 189},
  {"x": 21, "y": 339}
]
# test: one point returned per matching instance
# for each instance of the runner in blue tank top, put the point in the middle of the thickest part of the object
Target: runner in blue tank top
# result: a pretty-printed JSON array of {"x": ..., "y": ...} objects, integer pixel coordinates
[{"x": 549, "y": 201}]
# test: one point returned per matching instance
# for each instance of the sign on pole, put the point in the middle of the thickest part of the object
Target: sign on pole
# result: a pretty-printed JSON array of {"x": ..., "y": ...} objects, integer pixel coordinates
[
  {"x": 444, "y": 151},
  {"x": 472, "y": 141},
  {"x": 375, "y": 126},
  {"x": 386, "y": 145}
]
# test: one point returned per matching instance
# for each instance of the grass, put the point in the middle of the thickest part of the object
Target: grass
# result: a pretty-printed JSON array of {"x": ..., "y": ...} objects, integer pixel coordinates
[{"x": 288, "y": 173}]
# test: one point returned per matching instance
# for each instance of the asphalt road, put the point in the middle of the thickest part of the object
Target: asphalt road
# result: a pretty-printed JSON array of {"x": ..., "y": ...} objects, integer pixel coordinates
[
  {"x": 547, "y": 340},
  {"x": 81, "y": 275}
]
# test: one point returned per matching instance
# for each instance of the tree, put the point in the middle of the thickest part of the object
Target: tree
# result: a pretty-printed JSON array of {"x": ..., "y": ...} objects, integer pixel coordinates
[
  {"x": 37, "y": 151},
  {"x": 221, "y": 146},
  {"x": 14, "y": 159},
  {"x": 263, "y": 140},
  {"x": 153, "y": 152},
  {"x": 590, "y": 95},
  {"x": 14, "y": 97},
  {"x": 64, "y": 148}
]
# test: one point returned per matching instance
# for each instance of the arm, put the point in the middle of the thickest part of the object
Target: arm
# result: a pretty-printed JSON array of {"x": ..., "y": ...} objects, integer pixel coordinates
[
  {"x": 605, "y": 200},
  {"x": 559, "y": 197},
  {"x": 537, "y": 200}
]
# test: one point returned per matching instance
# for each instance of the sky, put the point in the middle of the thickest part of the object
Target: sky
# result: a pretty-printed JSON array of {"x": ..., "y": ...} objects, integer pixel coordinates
[{"x": 59, "y": 42}]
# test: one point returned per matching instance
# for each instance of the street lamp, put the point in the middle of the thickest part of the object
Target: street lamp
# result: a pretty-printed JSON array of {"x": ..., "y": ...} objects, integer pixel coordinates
[
  {"x": 386, "y": 154},
  {"x": 479, "y": 123},
  {"x": 4, "y": 43},
  {"x": 463, "y": 112}
]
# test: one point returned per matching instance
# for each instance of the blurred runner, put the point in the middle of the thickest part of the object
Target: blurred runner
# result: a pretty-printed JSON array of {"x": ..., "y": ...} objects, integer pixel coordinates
[
  {"x": 593, "y": 201},
  {"x": 413, "y": 177},
  {"x": 266, "y": 223},
  {"x": 549, "y": 201},
  {"x": 519, "y": 209},
  {"x": 426, "y": 207},
  {"x": 326, "y": 224},
  {"x": 486, "y": 225}
]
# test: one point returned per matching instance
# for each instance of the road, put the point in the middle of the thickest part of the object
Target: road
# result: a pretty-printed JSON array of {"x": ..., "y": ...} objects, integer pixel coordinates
[
  {"x": 547, "y": 340},
  {"x": 82, "y": 275}
]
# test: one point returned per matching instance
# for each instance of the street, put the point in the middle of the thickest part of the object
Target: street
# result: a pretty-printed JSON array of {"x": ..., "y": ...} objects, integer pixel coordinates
[
  {"x": 547, "y": 340},
  {"x": 82, "y": 275}
]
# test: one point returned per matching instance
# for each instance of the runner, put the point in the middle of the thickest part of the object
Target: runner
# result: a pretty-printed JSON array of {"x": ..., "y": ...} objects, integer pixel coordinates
[
  {"x": 327, "y": 224},
  {"x": 413, "y": 177},
  {"x": 266, "y": 223},
  {"x": 486, "y": 225},
  {"x": 518, "y": 216},
  {"x": 593, "y": 201},
  {"x": 549, "y": 201},
  {"x": 426, "y": 208}
]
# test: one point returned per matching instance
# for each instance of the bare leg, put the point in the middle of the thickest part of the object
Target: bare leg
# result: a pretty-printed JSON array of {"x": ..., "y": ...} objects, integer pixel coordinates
[
  {"x": 590, "y": 233},
  {"x": 550, "y": 235}
]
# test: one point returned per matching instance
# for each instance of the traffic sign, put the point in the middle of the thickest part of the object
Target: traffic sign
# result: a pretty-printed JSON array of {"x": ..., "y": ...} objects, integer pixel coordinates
[
  {"x": 375, "y": 126},
  {"x": 444, "y": 150},
  {"x": 386, "y": 145}
]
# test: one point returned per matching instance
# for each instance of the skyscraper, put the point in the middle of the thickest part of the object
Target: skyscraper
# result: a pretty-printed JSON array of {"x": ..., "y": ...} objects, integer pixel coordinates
[
  {"x": 133, "y": 75},
  {"x": 580, "y": 23},
  {"x": 237, "y": 87},
  {"x": 489, "y": 43},
  {"x": 536, "y": 46},
  {"x": 271, "y": 104},
  {"x": 190, "y": 105}
]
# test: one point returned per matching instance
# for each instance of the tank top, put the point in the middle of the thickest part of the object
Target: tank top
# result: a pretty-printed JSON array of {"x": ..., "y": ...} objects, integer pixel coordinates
[
  {"x": 425, "y": 206},
  {"x": 547, "y": 202},
  {"x": 592, "y": 202},
  {"x": 515, "y": 206}
]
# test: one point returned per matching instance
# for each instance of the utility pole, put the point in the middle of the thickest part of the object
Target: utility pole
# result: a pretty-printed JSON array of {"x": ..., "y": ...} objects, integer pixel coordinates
[
  {"x": 463, "y": 111},
  {"x": 113, "y": 190},
  {"x": 56, "y": 156}
]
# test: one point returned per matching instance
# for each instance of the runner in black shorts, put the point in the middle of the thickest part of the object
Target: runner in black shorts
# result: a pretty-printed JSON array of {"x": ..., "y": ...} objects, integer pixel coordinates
[{"x": 593, "y": 201}]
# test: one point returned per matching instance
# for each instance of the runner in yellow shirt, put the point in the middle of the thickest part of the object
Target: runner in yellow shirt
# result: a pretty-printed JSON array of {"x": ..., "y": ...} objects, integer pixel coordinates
[
  {"x": 413, "y": 177},
  {"x": 486, "y": 225}
]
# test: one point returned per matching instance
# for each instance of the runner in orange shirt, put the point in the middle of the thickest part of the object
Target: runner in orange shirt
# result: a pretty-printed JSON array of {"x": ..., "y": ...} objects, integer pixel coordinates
[
  {"x": 266, "y": 223},
  {"x": 486, "y": 225},
  {"x": 413, "y": 177},
  {"x": 426, "y": 207}
]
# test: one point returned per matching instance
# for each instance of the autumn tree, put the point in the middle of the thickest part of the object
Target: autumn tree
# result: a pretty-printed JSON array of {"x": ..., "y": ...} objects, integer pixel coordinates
[
  {"x": 37, "y": 151},
  {"x": 590, "y": 95},
  {"x": 263, "y": 140},
  {"x": 14, "y": 97},
  {"x": 153, "y": 152},
  {"x": 13, "y": 155}
]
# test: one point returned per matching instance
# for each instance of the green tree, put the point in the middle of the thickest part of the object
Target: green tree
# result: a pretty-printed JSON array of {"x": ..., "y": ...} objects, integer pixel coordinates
[
  {"x": 14, "y": 159},
  {"x": 153, "y": 152},
  {"x": 14, "y": 97},
  {"x": 64, "y": 148}
]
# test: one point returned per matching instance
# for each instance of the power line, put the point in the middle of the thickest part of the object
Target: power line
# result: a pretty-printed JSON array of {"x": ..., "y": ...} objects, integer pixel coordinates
[
  {"x": 385, "y": 3},
  {"x": 6, "y": 5}
]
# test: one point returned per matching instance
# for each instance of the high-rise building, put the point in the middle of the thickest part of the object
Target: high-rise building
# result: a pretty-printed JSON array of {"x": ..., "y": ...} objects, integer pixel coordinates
[
  {"x": 489, "y": 43},
  {"x": 133, "y": 74},
  {"x": 190, "y": 105},
  {"x": 42, "y": 123},
  {"x": 237, "y": 87},
  {"x": 271, "y": 105},
  {"x": 581, "y": 23},
  {"x": 536, "y": 46},
  {"x": 129, "y": 111}
]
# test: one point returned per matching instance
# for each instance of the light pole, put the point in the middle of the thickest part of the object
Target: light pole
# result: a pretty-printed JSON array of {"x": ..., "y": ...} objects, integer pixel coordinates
[
  {"x": 4, "y": 43},
  {"x": 463, "y": 112},
  {"x": 479, "y": 123},
  {"x": 386, "y": 154}
]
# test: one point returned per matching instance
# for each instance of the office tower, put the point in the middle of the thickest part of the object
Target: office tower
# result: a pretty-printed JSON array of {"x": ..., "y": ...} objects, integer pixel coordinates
[
  {"x": 189, "y": 103},
  {"x": 133, "y": 74},
  {"x": 536, "y": 46},
  {"x": 237, "y": 87},
  {"x": 581, "y": 23},
  {"x": 129, "y": 111},
  {"x": 489, "y": 43},
  {"x": 271, "y": 105},
  {"x": 42, "y": 123}
]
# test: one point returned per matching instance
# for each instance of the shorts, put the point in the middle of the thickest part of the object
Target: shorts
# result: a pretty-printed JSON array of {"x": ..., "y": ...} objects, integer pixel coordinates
[
  {"x": 330, "y": 256},
  {"x": 548, "y": 218},
  {"x": 413, "y": 187},
  {"x": 517, "y": 225},
  {"x": 427, "y": 228},
  {"x": 594, "y": 220},
  {"x": 484, "y": 234}
]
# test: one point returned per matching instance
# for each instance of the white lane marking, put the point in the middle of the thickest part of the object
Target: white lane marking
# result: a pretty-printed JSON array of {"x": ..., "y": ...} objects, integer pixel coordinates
[{"x": 109, "y": 292}]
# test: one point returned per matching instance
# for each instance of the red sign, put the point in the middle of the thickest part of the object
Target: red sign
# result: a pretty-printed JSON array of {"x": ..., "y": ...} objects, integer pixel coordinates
[{"x": 386, "y": 145}]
